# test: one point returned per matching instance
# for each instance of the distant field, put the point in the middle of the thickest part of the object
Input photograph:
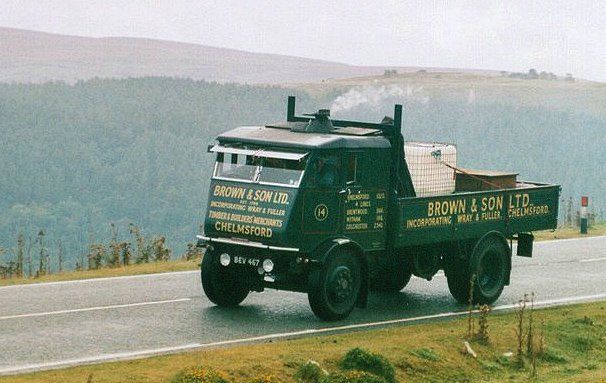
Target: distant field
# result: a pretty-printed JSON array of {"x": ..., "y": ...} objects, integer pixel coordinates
[
  {"x": 572, "y": 341},
  {"x": 144, "y": 268},
  {"x": 559, "y": 95},
  {"x": 132, "y": 135}
]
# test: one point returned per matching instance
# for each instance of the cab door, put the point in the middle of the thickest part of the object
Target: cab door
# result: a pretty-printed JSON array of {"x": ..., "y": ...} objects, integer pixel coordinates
[
  {"x": 364, "y": 198},
  {"x": 321, "y": 200}
]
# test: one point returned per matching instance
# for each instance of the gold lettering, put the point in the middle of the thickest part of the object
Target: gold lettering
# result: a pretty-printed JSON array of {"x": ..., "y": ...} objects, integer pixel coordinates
[{"x": 229, "y": 191}]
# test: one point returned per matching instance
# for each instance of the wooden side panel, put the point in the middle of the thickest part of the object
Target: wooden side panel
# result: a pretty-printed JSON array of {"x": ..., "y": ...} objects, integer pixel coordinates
[{"x": 470, "y": 215}]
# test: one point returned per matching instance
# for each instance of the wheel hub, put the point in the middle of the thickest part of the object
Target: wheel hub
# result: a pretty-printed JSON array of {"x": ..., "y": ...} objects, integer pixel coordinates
[
  {"x": 489, "y": 271},
  {"x": 342, "y": 284}
]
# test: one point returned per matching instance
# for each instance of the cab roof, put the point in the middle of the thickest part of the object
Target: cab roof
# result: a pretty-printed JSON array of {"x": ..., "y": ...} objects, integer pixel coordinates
[{"x": 282, "y": 136}]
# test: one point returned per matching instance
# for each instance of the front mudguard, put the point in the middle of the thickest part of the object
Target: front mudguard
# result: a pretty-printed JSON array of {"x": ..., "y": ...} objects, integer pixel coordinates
[{"x": 323, "y": 251}]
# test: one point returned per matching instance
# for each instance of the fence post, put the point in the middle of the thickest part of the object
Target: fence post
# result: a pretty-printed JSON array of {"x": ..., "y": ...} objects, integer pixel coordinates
[{"x": 584, "y": 203}]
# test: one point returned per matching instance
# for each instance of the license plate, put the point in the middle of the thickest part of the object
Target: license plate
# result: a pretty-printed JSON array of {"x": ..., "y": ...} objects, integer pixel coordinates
[{"x": 238, "y": 260}]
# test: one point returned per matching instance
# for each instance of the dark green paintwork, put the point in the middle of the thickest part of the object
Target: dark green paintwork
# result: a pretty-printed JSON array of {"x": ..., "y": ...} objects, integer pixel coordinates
[
  {"x": 259, "y": 213},
  {"x": 311, "y": 214},
  {"x": 376, "y": 208},
  {"x": 282, "y": 137},
  {"x": 307, "y": 191},
  {"x": 470, "y": 215}
]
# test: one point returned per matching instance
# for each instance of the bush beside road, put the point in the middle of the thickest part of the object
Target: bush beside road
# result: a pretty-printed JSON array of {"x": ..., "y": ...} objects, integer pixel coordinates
[{"x": 598, "y": 229}]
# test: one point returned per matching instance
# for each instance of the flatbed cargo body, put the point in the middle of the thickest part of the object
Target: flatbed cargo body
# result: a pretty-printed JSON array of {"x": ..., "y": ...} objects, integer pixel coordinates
[{"x": 529, "y": 207}]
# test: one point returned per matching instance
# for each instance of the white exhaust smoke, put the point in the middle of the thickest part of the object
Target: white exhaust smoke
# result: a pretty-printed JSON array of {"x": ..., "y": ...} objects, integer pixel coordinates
[{"x": 375, "y": 96}]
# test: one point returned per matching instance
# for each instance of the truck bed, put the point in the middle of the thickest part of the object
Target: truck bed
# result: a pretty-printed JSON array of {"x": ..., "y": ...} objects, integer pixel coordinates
[{"x": 528, "y": 207}]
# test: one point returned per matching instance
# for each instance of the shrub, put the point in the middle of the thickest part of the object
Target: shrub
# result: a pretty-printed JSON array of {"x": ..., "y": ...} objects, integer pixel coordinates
[
  {"x": 555, "y": 356},
  {"x": 503, "y": 360},
  {"x": 425, "y": 353},
  {"x": 199, "y": 375},
  {"x": 355, "y": 376},
  {"x": 311, "y": 372},
  {"x": 362, "y": 360},
  {"x": 489, "y": 366},
  {"x": 267, "y": 378}
]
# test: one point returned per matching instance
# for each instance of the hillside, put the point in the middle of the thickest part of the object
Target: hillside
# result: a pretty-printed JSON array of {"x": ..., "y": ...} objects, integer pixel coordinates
[
  {"x": 29, "y": 56},
  {"x": 77, "y": 157}
]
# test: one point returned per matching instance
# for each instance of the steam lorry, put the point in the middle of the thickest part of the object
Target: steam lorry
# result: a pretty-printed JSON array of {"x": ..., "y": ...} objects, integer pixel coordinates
[{"x": 331, "y": 208}]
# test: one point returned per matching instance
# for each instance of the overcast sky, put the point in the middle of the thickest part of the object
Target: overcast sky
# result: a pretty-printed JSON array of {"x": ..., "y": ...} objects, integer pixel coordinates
[{"x": 556, "y": 36}]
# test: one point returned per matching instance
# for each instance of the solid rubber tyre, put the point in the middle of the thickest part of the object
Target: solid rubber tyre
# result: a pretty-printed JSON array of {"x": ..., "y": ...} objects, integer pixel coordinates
[
  {"x": 222, "y": 285},
  {"x": 334, "y": 288},
  {"x": 458, "y": 280},
  {"x": 488, "y": 266}
]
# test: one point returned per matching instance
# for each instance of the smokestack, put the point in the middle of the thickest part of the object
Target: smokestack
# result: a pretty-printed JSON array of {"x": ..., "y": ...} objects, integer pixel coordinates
[{"x": 321, "y": 123}]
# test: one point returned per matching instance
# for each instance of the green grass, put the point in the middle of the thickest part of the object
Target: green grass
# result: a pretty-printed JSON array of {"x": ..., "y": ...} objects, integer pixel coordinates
[
  {"x": 143, "y": 268},
  {"x": 431, "y": 352},
  {"x": 426, "y": 354}
]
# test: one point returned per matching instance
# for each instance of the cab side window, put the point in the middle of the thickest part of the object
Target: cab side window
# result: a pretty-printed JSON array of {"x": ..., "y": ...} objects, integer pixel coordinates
[{"x": 326, "y": 171}]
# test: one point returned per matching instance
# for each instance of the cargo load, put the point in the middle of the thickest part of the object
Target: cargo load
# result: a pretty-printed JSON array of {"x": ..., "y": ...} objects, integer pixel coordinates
[{"x": 427, "y": 163}]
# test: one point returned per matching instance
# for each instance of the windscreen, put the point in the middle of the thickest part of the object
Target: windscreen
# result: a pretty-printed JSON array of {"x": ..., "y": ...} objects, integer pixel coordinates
[{"x": 263, "y": 170}]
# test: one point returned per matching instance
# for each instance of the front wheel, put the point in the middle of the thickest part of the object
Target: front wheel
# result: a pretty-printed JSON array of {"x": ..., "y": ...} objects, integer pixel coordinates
[
  {"x": 335, "y": 287},
  {"x": 221, "y": 284}
]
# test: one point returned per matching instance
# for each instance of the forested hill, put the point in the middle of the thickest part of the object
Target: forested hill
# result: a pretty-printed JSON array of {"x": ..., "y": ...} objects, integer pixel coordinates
[{"x": 76, "y": 157}]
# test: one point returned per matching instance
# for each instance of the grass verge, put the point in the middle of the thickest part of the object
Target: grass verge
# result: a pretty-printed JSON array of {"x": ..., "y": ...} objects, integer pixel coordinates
[
  {"x": 180, "y": 265},
  {"x": 574, "y": 339},
  {"x": 595, "y": 230},
  {"x": 137, "y": 269}
]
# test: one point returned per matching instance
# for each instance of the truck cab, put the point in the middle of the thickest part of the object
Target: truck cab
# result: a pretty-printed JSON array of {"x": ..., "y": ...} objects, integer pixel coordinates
[
  {"x": 301, "y": 194},
  {"x": 283, "y": 196}
]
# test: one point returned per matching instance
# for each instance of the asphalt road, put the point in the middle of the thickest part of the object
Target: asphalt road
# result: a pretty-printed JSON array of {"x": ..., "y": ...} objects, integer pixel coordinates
[{"x": 52, "y": 325}]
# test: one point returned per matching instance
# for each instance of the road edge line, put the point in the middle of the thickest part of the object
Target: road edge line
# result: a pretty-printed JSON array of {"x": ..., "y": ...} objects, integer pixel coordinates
[{"x": 100, "y": 279}]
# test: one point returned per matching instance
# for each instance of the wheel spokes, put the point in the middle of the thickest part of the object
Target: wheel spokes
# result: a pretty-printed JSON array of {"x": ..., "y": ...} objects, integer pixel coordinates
[{"x": 341, "y": 285}]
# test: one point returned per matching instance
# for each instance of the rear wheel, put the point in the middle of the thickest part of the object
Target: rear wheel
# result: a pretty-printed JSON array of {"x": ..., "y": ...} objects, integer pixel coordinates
[
  {"x": 457, "y": 276},
  {"x": 489, "y": 268},
  {"x": 334, "y": 288},
  {"x": 221, "y": 284}
]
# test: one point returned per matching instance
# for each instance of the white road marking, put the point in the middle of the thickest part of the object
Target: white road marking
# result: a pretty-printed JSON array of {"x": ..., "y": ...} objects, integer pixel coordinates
[
  {"x": 102, "y": 279},
  {"x": 110, "y": 307},
  {"x": 275, "y": 336},
  {"x": 593, "y": 259},
  {"x": 95, "y": 359}
]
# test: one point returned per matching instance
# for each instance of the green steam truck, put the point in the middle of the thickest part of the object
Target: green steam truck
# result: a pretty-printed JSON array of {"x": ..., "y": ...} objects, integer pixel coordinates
[{"x": 330, "y": 208}]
